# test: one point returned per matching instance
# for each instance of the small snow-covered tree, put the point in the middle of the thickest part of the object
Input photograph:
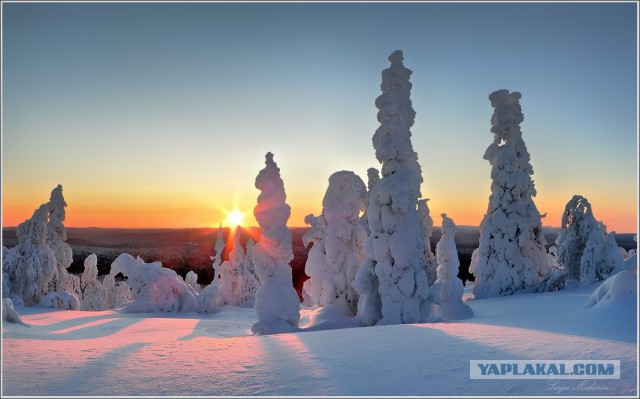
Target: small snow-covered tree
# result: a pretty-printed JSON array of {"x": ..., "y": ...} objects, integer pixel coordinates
[
  {"x": 586, "y": 253},
  {"x": 511, "y": 257},
  {"x": 94, "y": 295},
  {"x": 217, "y": 258},
  {"x": 394, "y": 247},
  {"x": 277, "y": 305},
  {"x": 249, "y": 277},
  {"x": 426, "y": 224},
  {"x": 316, "y": 266},
  {"x": 31, "y": 265},
  {"x": 192, "y": 279},
  {"x": 448, "y": 287},
  {"x": 338, "y": 244},
  {"x": 232, "y": 284}
]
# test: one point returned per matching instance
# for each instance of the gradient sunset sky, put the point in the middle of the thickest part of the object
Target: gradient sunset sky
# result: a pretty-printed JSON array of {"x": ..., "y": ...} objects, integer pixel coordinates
[{"x": 160, "y": 114}]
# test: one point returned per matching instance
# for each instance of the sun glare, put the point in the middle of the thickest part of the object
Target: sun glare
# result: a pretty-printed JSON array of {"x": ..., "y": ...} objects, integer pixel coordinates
[{"x": 234, "y": 218}]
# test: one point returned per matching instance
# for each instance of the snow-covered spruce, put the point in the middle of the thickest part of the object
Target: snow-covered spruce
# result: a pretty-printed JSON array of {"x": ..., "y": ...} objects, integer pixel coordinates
[
  {"x": 426, "y": 223},
  {"x": 30, "y": 265},
  {"x": 585, "y": 252},
  {"x": 338, "y": 238},
  {"x": 393, "y": 269},
  {"x": 153, "y": 287},
  {"x": 448, "y": 288},
  {"x": 231, "y": 277},
  {"x": 511, "y": 257},
  {"x": 56, "y": 237},
  {"x": 373, "y": 177},
  {"x": 277, "y": 305},
  {"x": 217, "y": 258},
  {"x": 94, "y": 296},
  {"x": 192, "y": 279},
  {"x": 249, "y": 277}
]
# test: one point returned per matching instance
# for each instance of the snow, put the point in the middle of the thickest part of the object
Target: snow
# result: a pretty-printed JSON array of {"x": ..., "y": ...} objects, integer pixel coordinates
[{"x": 112, "y": 353}]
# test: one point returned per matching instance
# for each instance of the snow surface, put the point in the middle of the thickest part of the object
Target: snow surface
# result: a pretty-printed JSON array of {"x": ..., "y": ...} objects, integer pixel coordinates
[{"x": 113, "y": 353}]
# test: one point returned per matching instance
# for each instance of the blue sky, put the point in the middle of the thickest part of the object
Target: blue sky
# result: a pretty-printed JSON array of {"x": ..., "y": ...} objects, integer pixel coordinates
[{"x": 169, "y": 108}]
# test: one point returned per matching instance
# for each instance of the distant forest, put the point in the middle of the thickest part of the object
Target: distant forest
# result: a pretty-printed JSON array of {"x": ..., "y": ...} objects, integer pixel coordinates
[{"x": 190, "y": 249}]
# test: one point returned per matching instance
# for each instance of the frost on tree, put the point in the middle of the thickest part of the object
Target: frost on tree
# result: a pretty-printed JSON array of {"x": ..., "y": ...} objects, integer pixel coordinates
[
  {"x": 153, "y": 287},
  {"x": 30, "y": 265},
  {"x": 511, "y": 257},
  {"x": 338, "y": 238},
  {"x": 56, "y": 237},
  {"x": 426, "y": 223},
  {"x": 392, "y": 282},
  {"x": 277, "y": 305},
  {"x": 585, "y": 252},
  {"x": 448, "y": 288}
]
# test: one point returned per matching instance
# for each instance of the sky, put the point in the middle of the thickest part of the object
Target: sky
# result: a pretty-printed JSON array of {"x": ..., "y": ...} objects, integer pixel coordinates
[{"x": 160, "y": 114}]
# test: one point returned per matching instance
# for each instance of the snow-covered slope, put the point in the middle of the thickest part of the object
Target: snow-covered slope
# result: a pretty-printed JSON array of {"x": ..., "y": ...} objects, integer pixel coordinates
[{"x": 110, "y": 353}]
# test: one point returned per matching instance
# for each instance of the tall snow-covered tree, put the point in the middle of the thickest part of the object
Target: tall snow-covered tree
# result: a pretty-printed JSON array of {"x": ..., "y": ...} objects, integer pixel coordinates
[
  {"x": 338, "y": 248},
  {"x": 448, "y": 287},
  {"x": 277, "y": 305},
  {"x": 511, "y": 257},
  {"x": 394, "y": 247},
  {"x": 31, "y": 265},
  {"x": 57, "y": 237}
]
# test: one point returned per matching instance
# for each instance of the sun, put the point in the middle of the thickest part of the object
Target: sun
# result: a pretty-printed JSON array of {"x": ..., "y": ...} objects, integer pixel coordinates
[{"x": 234, "y": 218}]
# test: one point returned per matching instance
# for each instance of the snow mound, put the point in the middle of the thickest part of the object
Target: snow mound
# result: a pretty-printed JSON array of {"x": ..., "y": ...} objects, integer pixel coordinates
[
  {"x": 618, "y": 291},
  {"x": 9, "y": 313},
  {"x": 60, "y": 300},
  {"x": 153, "y": 287}
]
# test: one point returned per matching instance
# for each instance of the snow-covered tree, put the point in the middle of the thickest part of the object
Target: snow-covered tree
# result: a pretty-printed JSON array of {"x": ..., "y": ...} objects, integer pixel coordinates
[
  {"x": 428, "y": 258},
  {"x": 338, "y": 239},
  {"x": 94, "y": 295},
  {"x": 448, "y": 288},
  {"x": 373, "y": 177},
  {"x": 31, "y": 265},
  {"x": 153, "y": 287},
  {"x": 232, "y": 284},
  {"x": 511, "y": 257},
  {"x": 394, "y": 247},
  {"x": 217, "y": 258},
  {"x": 277, "y": 305},
  {"x": 249, "y": 277},
  {"x": 585, "y": 252},
  {"x": 56, "y": 237},
  {"x": 192, "y": 279}
]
